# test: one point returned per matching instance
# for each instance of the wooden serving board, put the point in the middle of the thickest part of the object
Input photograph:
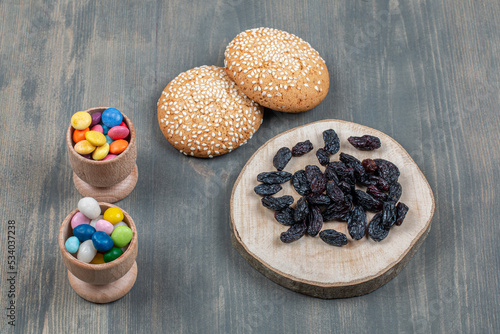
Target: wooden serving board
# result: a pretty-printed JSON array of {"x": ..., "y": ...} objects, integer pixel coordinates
[{"x": 309, "y": 265}]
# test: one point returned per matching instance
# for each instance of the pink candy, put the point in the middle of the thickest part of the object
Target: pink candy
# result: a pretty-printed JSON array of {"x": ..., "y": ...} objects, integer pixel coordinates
[
  {"x": 79, "y": 219},
  {"x": 109, "y": 157},
  {"x": 104, "y": 226},
  {"x": 97, "y": 128},
  {"x": 118, "y": 132}
]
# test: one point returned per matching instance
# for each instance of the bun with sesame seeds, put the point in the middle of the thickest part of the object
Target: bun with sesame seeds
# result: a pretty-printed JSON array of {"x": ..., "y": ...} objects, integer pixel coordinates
[
  {"x": 277, "y": 69},
  {"x": 202, "y": 113}
]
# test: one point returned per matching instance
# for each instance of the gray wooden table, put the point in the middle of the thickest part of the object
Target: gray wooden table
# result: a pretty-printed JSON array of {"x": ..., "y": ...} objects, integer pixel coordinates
[{"x": 424, "y": 72}]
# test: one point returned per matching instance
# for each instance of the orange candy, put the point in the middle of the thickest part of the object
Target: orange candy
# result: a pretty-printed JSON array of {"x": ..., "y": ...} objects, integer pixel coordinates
[
  {"x": 118, "y": 146},
  {"x": 79, "y": 135}
]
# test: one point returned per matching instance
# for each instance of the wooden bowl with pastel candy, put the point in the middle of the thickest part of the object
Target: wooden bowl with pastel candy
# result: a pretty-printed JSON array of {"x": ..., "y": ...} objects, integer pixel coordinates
[
  {"x": 100, "y": 283},
  {"x": 109, "y": 180}
]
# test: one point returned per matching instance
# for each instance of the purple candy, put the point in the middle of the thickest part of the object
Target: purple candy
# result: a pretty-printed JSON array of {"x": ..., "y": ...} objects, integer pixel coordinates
[
  {"x": 79, "y": 219},
  {"x": 88, "y": 156},
  {"x": 96, "y": 118}
]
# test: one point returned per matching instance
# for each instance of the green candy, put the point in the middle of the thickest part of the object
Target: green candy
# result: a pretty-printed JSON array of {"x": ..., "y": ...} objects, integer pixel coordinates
[
  {"x": 121, "y": 236},
  {"x": 112, "y": 254}
]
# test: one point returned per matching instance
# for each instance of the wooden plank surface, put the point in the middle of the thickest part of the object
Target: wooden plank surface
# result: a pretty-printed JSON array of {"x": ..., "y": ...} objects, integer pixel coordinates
[{"x": 424, "y": 72}]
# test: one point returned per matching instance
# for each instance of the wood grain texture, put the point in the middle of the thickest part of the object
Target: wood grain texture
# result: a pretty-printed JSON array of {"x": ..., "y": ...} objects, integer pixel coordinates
[
  {"x": 309, "y": 265},
  {"x": 424, "y": 72}
]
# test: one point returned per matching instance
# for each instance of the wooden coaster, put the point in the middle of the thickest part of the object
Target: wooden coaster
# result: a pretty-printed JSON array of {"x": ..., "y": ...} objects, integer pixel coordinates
[
  {"x": 110, "y": 194},
  {"x": 106, "y": 293},
  {"x": 309, "y": 265}
]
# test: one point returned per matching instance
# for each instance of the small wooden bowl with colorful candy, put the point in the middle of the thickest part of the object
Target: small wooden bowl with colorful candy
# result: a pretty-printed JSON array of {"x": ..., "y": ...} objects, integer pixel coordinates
[
  {"x": 102, "y": 153},
  {"x": 98, "y": 243}
]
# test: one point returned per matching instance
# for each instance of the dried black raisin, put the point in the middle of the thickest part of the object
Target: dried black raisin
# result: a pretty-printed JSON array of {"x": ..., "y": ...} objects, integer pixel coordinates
[
  {"x": 346, "y": 187},
  {"x": 277, "y": 203},
  {"x": 379, "y": 183},
  {"x": 301, "y": 210},
  {"x": 389, "y": 214},
  {"x": 285, "y": 216},
  {"x": 302, "y": 148},
  {"x": 274, "y": 177},
  {"x": 395, "y": 191},
  {"x": 376, "y": 193},
  {"x": 356, "y": 222},
  {"x": 267, "y": 189},
  {"x": 282, "y": 158},
  {"x": 319, "y": 199},
  {"x": 369, "y": 165},
  {"x": 295, "y": 232},
  {"x": 375, "y": 229},
  {"x": 333, "y": 237},
  {"x": 316, "y": 179},
  {"x": 334, "y": 192},
  {"x": 332, "y": 141},
  {"x": 315, "y": 221},
  {"x": 330, "y": 173},
  {"x": 323, "y": 157},
  {"x": 387, "y": 170},
  {"x": 365, "y": 143},
  {"x": 367, "y": 201},
  {"x": 300, "y": 183},
  {"x": 349, "y": 160},
  {"x": 401, "y": 211}
]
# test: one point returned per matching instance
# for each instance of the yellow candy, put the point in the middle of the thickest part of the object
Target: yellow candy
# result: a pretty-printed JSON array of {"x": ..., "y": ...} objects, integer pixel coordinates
[
  {"x": 81, "y": 120},
  {"x": 95, "y": 138},
  {"x": 84, "y": 147},
  {"x": 101, "y": 152},
  {"x": 113, "y": 215},
  {"x": 98, "y": 259}
]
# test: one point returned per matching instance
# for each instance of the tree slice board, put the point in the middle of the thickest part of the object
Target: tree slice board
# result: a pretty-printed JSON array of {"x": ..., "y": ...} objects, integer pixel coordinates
[{"x": 309, "y": 265}]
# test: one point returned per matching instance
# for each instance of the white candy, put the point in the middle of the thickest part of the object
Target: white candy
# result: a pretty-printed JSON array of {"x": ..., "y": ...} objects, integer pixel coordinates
[
  {"x": 89, "y": 207},
  {"x": 94, "y": 221},
  {"x": 87, "y": 251},
  {"x": 122, "y": 223}
]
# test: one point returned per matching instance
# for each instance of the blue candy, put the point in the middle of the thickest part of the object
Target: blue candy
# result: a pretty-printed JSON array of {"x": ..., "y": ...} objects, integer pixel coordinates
[
  {"x": 102, "y": 242},
  {"x": 108, "y": 139},
  {"x": 83, "y": 232},
  {"x": 72, "y": 244},
  {"x": 105, "y": 129},
  {"x": 111, "y": 117}
]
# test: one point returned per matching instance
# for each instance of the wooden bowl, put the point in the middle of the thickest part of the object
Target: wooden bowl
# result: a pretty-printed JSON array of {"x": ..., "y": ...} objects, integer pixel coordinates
[
  {"x": 309, "y": 265},
  {"x": 100, "y": 283},
  {"x": 110, "y": 180}
]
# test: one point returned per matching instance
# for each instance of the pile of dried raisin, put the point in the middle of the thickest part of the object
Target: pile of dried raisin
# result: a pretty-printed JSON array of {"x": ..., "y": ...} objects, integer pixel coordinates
[{"x": 332, "y": 195}]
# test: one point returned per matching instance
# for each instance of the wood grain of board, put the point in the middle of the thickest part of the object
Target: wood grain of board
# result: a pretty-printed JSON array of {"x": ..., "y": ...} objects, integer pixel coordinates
[{"x": 424, "y": 72}]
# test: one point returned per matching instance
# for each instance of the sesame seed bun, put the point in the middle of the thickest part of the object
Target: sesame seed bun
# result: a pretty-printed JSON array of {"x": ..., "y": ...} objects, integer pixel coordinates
[
  {"x": 277, "y": 69},
  {"x": 202, "y": 113}
]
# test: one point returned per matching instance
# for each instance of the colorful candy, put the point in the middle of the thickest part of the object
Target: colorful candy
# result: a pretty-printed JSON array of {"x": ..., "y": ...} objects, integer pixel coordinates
[
  {"x": 89, "y": 207},
  {"x": 84, "y": 147},
  {"x": 112, "y": 254},
  {"x": 113, "y": 215},
  {"x": 81, "y": 120},
  {"x": 122, "y": 235},
  {"x": 102, "y": 131},
  {"x": 83, "y": 232},
  {"x": 101, "y": 152},
  {"x": 102, "y": 242},
  {"x": 118, "y": 146},
  {"x": 79, "y": 219},
  {"x": 79, "y": 135},
  {"x": 118, "y": 132},
  {"x": 111, "y": 117},
  {"x": 109, "y": 157},
  {"x": 72, "y": 244},
  {"x": 98, "y": 238},
  {"x": 86, "y": 252},
  {"x": 104, "y": 226}
]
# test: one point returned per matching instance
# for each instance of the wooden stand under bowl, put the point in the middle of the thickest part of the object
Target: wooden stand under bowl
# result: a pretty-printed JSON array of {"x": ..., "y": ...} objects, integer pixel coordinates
[
  {"x": 100, "y": 283},
  {"x": 110, "y": 180}
]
